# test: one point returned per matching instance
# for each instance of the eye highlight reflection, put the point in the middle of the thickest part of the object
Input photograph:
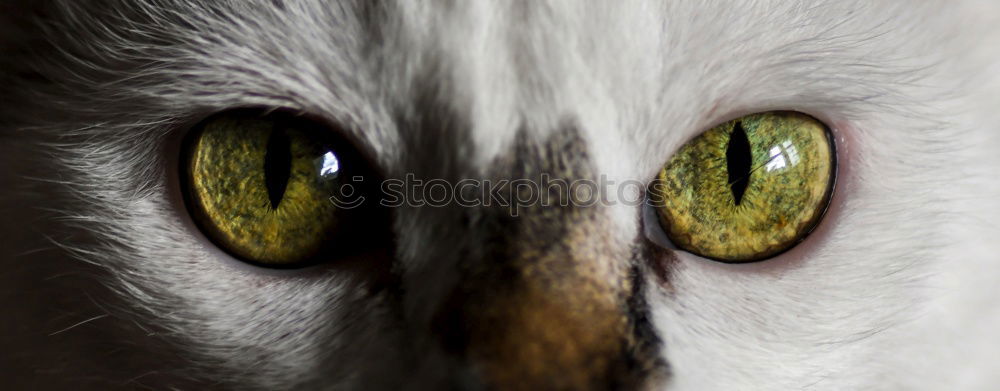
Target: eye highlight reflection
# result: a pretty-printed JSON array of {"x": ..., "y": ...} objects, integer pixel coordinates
[
  {"x": 782, "y": 156},
  {"x": 747, "y": 189}
]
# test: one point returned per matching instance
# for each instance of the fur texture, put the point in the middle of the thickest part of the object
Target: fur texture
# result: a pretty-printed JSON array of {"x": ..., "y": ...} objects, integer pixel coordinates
[{"x": 895, "y": 290}]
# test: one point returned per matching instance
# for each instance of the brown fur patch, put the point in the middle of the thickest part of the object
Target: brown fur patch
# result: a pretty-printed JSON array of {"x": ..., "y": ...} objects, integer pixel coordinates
[{"x": 552, "y": 306}]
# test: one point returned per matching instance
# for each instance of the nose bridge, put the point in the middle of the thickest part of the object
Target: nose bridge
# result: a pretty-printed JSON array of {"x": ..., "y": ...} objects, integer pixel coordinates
[
  {"x": 545, "y": 300},
  {"x": 542, "y": 313}
]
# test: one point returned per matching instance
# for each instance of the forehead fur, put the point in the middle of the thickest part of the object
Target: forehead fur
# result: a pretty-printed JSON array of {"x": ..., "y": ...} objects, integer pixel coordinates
[{"x": 628, "y": 71}]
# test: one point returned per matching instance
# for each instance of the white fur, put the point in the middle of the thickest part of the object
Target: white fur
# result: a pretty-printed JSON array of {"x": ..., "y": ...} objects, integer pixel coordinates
[{"x": 895, "y": 290}]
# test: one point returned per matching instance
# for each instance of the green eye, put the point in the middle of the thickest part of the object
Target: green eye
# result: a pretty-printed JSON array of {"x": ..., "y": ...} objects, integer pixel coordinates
[
  {"x": 747, "y": 189},
  {"x": 259, "y": 186}
]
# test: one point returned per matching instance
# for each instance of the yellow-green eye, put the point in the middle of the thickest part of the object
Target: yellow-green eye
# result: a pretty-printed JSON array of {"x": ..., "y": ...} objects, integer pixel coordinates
[
  {"x": 260, "y": 187},
  {"x": 747, "y": 189}
]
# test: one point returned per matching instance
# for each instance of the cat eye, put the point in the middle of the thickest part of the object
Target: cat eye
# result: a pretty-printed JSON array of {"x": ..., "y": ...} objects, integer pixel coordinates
[
  {"x": 748, "y": 189},
  {"x": 259, "y": 185}
]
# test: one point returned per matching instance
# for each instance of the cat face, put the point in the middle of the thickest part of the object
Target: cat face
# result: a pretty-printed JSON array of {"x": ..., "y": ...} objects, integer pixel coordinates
[{"x": 892, "y": 290}]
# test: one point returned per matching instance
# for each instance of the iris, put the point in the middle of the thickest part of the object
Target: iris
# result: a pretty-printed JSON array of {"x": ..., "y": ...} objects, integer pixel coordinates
[{"x": 748, "y": 189}]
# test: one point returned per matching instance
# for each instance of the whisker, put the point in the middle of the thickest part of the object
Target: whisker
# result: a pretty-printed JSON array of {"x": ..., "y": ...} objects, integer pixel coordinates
[{"x": 79, "y": 324}]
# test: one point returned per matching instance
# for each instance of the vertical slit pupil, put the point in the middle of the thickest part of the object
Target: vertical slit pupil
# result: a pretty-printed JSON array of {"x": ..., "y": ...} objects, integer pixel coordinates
[
  {"x": 738, "y": 161},
  {"x": 277, "y": 166}
]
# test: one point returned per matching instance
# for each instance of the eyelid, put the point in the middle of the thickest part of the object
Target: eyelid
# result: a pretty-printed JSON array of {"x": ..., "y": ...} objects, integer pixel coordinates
[{"x": 651, "y": 228}]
